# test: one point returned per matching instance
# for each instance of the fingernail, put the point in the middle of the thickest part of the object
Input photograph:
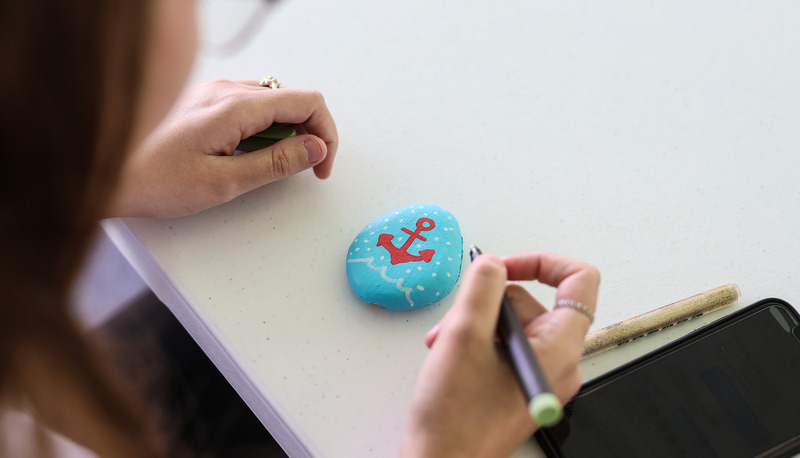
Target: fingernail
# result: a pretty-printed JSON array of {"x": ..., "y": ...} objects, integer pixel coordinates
[
  {"x": 313, "y": 151},
  {"x": 430, "y": 335}
]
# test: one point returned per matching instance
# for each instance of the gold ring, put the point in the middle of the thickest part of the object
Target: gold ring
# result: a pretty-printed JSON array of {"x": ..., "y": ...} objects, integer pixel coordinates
[
  {"x": 270, "y": 82},
  {"x": 575, "y": 305}
]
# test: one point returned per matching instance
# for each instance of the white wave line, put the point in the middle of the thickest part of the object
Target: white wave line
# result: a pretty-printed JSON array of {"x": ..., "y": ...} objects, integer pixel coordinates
[{"x": 382, "y": 270}]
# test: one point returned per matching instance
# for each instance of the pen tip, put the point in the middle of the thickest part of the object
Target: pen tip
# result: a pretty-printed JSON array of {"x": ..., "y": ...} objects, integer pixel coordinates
[{"x": 474, "y": 252}]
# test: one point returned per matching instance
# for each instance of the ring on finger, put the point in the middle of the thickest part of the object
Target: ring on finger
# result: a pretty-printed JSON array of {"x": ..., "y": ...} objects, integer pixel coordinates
[
  {"x": 270, "y": 82},
  {"x": 575, "y": 305}
]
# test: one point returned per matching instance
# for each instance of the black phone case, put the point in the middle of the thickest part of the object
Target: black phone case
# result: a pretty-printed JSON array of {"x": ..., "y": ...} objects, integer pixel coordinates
[{"x": 548, "y": 437}]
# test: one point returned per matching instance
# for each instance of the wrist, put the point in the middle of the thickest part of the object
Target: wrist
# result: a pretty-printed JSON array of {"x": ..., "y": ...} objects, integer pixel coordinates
[{"x": 427, "y": 444}]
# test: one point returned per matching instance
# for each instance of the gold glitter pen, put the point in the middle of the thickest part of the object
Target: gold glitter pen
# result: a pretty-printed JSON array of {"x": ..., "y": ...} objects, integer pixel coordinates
[{"x": 660, "y": 318}]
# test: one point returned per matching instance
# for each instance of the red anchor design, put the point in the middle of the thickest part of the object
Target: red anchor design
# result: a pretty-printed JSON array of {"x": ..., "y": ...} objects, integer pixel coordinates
[{"x": 401, "y": 255}]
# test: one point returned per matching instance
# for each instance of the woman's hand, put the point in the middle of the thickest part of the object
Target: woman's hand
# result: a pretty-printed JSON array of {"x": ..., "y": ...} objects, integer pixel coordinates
[
  {"x": 467, "y": 401},
  {"x": 187, "y": 164}
]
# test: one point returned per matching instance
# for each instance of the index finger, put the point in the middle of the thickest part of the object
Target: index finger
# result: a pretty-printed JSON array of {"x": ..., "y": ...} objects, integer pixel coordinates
[{"x": 573, "y": 279}]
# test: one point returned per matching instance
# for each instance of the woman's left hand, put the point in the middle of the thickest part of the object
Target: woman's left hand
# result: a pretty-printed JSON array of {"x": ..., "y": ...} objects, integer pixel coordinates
[{"x": 187, "y": 164}]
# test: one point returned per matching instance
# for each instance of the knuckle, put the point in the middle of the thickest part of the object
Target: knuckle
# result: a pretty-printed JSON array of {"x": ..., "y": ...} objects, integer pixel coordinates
[
  {"x": 314, "y": 95},
  {"x": 219, "y": 95},
  {"x": 514, "y": 290},
  {"x": 279, "y": 164},
  {"x": 592, "y": 273},
  {"x": 212, "y": 84},
  {"x": 229, "y": 100},
  {"x": 317, "y": 95},
  {"x": 489, "y": 267},
  {"x": 215, "y": 82}
]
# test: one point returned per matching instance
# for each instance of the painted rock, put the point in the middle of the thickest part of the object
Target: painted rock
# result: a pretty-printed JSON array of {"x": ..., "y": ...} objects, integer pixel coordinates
[{"x": 408, "y": 258}]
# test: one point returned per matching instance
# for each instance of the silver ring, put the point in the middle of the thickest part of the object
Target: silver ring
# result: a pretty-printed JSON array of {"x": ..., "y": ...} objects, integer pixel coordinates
[
  {"x": 575, "y": 305},
  {"x": 270, "y": 82}
]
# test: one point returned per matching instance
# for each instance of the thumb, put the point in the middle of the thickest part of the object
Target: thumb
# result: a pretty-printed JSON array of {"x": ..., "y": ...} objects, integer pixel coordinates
[
  {"x": 477, "y": 306},
  {"x": 283, "y": 159}
]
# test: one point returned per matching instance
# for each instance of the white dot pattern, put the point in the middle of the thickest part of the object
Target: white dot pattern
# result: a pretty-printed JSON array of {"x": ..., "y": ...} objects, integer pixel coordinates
[{"x": 412, "y": 283}]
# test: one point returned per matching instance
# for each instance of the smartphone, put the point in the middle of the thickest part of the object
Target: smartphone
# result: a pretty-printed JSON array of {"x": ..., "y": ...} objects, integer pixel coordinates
[{"x": 729, "y": 389}]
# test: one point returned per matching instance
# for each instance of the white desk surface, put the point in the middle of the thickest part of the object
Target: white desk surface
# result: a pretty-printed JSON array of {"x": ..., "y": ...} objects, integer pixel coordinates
[{"x": 656, "y": 140}]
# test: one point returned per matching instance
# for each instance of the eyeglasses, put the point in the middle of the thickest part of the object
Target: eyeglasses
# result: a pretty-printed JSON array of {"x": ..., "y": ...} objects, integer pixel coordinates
[{"x": 229, "y": 25}]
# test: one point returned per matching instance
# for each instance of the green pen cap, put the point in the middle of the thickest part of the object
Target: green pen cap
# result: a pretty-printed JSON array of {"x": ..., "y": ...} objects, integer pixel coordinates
[
  {"x": 277, "y": 132},
  {"x": 545, "y": 409},
  {"x": 266, "y": 138}
]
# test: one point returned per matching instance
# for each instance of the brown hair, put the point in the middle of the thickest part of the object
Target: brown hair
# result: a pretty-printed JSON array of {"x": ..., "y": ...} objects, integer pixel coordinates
[{"x": 68, "y": 91}]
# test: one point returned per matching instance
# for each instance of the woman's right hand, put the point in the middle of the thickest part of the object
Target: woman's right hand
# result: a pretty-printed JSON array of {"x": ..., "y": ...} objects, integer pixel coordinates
[
  {"x": 187, "y": 164},
  {"x": 467, "y": 401}
]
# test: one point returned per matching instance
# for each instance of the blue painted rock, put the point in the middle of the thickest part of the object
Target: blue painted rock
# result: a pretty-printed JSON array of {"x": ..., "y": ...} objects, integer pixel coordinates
[{"x": 408, "y": 258}]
